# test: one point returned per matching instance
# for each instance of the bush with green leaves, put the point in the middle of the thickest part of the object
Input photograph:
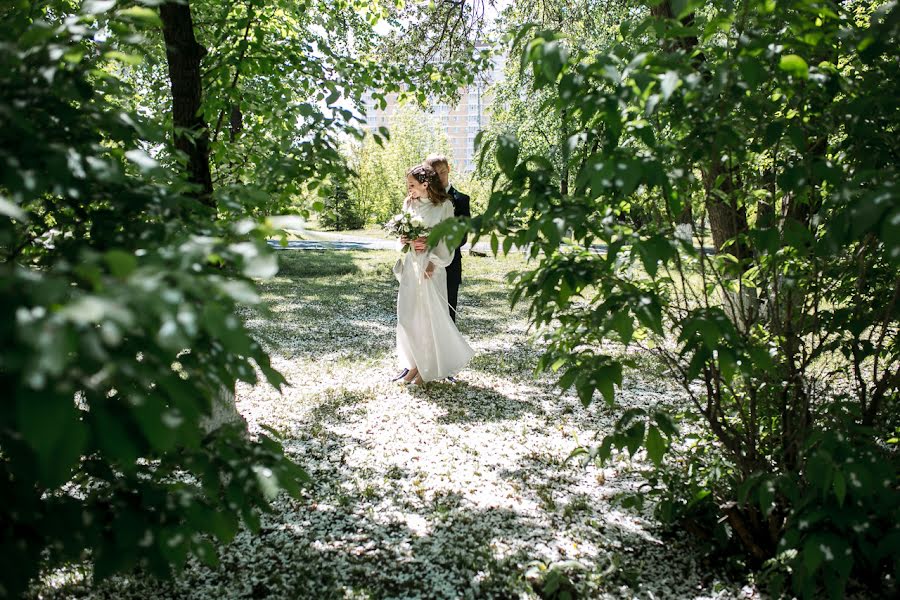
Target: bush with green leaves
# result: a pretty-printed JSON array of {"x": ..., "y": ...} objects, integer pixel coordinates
[
  {"x": 341, "y": 212},
  {"x": 121, "y": 329},
  {"x": 377, "y": 184},
  {"x": 777, "y": 122}
]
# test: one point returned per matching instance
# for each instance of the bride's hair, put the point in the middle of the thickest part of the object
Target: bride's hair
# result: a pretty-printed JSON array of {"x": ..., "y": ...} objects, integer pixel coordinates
[{"x": 427, "y": 175}]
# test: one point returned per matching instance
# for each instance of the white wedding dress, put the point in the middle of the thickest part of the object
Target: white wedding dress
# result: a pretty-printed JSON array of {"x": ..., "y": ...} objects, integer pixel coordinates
[{"x": 427, "y": 337}]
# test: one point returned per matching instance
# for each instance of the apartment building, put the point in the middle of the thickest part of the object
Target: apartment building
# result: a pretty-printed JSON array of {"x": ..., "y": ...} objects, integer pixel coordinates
[{"x": 461, "y": 122}]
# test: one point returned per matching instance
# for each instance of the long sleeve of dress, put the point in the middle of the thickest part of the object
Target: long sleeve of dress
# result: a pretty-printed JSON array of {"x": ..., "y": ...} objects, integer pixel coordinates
[{"x": 441, "y": 255}]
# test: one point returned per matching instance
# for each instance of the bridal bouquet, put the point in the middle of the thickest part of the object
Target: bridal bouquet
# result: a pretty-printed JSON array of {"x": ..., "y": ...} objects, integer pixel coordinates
[{"x": 408, "y": 225}]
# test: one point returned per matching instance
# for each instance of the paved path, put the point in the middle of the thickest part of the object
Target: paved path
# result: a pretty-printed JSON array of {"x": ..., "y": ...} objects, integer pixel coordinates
[
  {"x": 354, "y": 244},
  {"x": 337, "y": 241}
]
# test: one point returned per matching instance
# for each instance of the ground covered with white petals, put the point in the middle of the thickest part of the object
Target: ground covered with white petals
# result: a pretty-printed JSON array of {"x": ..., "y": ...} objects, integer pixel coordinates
[{"x": 455, "y": 490}]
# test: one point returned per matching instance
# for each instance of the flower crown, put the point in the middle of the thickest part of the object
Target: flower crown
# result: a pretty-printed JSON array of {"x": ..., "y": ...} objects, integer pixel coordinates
[{"x": 423, "y": 174}]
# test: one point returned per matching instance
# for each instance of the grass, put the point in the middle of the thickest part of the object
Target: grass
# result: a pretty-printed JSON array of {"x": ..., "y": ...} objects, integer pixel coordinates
[{"x": 450, "y": 491}]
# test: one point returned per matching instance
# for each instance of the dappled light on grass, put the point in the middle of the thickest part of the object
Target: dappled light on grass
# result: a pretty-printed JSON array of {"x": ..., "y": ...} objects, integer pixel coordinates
[{"x": 453, "y": 490}]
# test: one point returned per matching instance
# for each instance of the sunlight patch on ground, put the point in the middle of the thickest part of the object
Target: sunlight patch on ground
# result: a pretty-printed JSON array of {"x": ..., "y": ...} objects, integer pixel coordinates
[{"x": 451, "y": 491}]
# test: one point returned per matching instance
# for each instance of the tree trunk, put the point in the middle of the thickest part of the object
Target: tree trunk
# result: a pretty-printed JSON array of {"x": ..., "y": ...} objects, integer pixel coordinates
[
  {"x": 663, "y": 10},
  {"x": 563, "y": 137},
  {"x": 224, "y": 412},
  {"x": 727, "y": 219},
  {"x": 183, "y": 54},
  {"x": 236, "y": 122},
  {"x": 191, "y": 136}
]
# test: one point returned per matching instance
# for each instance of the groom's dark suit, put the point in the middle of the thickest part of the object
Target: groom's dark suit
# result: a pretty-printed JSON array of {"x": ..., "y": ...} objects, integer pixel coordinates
[{"x": 461, "y": 208}]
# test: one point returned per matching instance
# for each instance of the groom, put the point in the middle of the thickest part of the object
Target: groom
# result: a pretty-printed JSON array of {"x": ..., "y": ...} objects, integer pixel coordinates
[{"x": 461, "y": 208}]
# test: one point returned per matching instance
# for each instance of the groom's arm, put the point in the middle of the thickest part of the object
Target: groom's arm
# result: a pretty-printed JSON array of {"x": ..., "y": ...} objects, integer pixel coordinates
[{"x": 462, "y": 206}]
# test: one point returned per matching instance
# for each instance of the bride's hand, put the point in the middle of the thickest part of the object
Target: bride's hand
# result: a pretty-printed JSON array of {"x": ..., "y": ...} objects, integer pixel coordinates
[
  {"x": 429, "y": 270},
  {"x": 420, "y": 244}
]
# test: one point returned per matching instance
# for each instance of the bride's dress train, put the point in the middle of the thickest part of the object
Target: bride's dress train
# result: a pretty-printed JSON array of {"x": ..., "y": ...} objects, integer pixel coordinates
[{"x": 427, "y": 338}]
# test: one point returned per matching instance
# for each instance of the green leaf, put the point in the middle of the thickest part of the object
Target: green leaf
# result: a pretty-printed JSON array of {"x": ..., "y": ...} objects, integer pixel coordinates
[
  {"x": 568, "y": 378},
  {"x": 656, "y": 446},
  {"x": 818, "y": 549},
  {"x": 11, "y": 210},
  {"x": 774, "y": 131},
  {"x": 751, "y": 71},
  {"x": 452, "y": 231},
  {"x": 668, "y": 82},
  {"x": 890, "y": 235},
  {"x": 840, "y": 486},
  {"x": 95, "y": 7},
  {"x": 225, "y": 526},
  {"x": 766, "y": 496},
  {"x": 158, "y": 423},
  {"x": 681, "y": 8},
  {"x": 121, "y": 263},
  {"x": 633, "y": 437},
  {"x": 665, "y": 423},
  {"x": 261, "y": 266},
  {"x": 109, "y": 429},
  {"x": 227, "y": 328},
  {"x": 507, "y": 154},
  {"x": 88, "y": 310},
  {"x": 123, "y": 57},
  {"x": 606, "y": 377},
  {"x": 794, "y": 65},
  {"x": 206, "y": 552},
  {"x": 623, "y": 324},
  {"x": 144, "y": 161},
  {"x": 727, "y": 364},
  {"x": 585, "y": 387},
  {"x": 141, "y": 14},
  {"x": 697, "y": 363},
  {"x": 267, "y": 481},
  {"x": 50, "y": 424},
  {"x": 554, "y": 56}
]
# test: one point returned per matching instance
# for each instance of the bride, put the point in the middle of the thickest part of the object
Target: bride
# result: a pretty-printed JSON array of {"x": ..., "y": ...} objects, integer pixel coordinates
[{"x": 428, "y": 344}]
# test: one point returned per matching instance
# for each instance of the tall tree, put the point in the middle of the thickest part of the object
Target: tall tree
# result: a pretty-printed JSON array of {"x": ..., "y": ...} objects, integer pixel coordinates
[
  {"x": 191, "y": 132},
  {"x": 727, "y": 216}
]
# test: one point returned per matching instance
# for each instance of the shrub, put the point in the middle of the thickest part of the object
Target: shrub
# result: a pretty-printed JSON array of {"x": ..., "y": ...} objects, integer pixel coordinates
[
  {"x": 341, "y": 212},
  {"x": 120, "y": 331},
  {"x": 770, "y": 120}
]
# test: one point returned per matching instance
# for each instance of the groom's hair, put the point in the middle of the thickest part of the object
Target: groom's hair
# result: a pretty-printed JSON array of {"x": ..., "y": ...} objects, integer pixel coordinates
[{"x": 437, "y": 160}]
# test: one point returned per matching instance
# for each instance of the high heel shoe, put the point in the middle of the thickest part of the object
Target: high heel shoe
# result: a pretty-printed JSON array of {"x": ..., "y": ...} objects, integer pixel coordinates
[
  {"x": 414, "y": 377},
  {"x": 402, "y": 374}
]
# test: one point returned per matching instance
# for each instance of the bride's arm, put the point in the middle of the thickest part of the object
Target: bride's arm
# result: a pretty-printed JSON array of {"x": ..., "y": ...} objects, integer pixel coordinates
[{"x": 441, "y": 255}]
